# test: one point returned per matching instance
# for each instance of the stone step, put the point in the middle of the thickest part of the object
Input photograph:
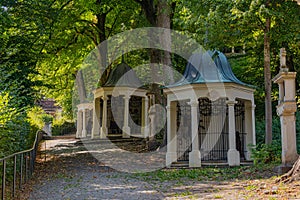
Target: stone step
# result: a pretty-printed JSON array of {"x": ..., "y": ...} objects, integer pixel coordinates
[{"x": 185, "y": 164}]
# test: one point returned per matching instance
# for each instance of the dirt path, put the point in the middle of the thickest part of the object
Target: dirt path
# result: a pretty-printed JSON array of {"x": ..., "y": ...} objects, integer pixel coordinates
[{"x": 66, "y": 170}]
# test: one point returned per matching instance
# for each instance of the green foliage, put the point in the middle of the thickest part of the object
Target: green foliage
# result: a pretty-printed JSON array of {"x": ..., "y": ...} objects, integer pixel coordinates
[
  {"x": 46, "y": 118},
  {"x": 267, "y": 153},
  {"x": 15, "y": 130},
  {"x": 15, "y": 135},
  {"x": 271, "y": 153},
  {"x": 37, "y": 117},
  {"x": 63, "y": 128}
]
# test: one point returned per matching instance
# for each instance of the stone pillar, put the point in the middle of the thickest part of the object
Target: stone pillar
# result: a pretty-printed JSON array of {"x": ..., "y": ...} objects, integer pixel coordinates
[
  {"x": 145, "y": 120},
  {"x": 96, "y": 119},
  {"x": 152, "y": 117},
  {"x": 83, "y": 134},
  {"x": 126, "y": 128},
  {"x": 286, "y": 110},
  {"x": 103, "y": 132},
  {"x": 79, "y": 124},
  {"x": 171, "y": 155},
  {"x": 233, "y": 155},
  {"x": 249, "y": 128},
  {"x": 253, "y": 123},
  {"x": 194, "y": 155}
]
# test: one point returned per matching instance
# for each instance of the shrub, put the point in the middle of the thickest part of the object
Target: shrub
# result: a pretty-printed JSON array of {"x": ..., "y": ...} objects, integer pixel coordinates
[
  {"x": 260, "y": 134},
  {"x": 15, "y": 135},
  {"x": 265, "y": 153},
  {"x": 63, "y": 128}
]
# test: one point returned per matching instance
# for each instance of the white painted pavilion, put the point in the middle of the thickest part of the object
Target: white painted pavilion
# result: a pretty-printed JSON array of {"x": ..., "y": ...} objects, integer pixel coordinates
[
  {"x": 121, "y": 105},
  {"x": 210, "y": 113}
]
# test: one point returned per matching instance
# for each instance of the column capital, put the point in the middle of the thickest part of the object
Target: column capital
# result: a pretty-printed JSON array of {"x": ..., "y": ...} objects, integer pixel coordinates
[
  {"x": 169, "y": 108},
  {"x": 104, "y": 98},
  {"x": 231, "y": 102},
  {"x": 126, "y": 97},
  {"x": 253, "y": 106},
  {"x": 193, "y": 103},
  {"x": 145, "y": 98}
]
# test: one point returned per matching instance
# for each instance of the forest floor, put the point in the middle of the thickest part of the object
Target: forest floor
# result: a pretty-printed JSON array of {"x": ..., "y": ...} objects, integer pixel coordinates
[{"x": 66, "y": 170}]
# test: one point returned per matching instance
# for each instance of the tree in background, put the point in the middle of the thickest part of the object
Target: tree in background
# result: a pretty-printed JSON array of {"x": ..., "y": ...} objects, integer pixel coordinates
[{"x": 264, "y": 18}]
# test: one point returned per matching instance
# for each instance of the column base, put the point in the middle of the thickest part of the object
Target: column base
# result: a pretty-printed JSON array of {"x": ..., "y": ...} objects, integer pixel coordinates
[
  {"x": 126, "y": 132},
  {"x": 195, "y": 158},
  {"x": 145, "y": 132},
  {"x": 103, "y": 133},
  {"x": 83, "y": 134},
  {"x": 170, "y": 158},
  {"x": 233, "y": 157},
  {"x": 77, "y": 136},
  {"x": 95, "y": 135}
]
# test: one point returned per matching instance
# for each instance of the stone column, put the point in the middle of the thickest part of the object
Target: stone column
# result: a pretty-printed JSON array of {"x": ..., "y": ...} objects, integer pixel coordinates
[
  {"x": 83, "y": 134},
  {"x": 171, "y": 155},
  {"x": 233, "y": 155},
  {"x": 286, "y": 110},
  {"x": 126, "y": 128},
  {"x": 194, "y": 155},
  {"x": 96, "y": 119},
  {"x": 145, "y": 120},
  {"x": 103, "y": 132},
  {"x": 249, "y": 128},
  {"x": 253, "y": 123},
  {"x": 79, "y": 124}
]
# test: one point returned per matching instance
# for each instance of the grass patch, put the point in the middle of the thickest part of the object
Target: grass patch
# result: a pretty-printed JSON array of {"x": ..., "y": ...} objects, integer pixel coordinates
[{"x": 208, "y": 174}]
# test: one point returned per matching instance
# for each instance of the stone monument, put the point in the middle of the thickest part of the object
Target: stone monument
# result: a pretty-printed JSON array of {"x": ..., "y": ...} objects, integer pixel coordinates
[{"x": 286, "y": 110}]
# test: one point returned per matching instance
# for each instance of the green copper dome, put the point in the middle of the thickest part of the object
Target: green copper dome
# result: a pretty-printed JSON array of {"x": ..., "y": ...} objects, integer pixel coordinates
[{"x": 208, "y": 67}]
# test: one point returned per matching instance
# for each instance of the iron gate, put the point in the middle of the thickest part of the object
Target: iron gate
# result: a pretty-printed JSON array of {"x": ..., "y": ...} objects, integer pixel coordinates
[{"x": 212, "y": 130}]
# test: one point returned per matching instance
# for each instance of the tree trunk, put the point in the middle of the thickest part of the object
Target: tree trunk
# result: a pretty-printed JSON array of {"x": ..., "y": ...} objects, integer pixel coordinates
[
  {"x": 292, "y": 175},
  {"x": 102, "y": 50},
  {"x": 158, "y": 15},
  {"x": 164, "y": 21},
  {"x": 268, "y": 82}
]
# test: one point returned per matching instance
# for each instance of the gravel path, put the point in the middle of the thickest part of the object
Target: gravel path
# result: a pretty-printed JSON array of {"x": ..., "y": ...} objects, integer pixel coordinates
[
  {"x": 66, "y": 170},
  {"x": 69, "y": 172}
]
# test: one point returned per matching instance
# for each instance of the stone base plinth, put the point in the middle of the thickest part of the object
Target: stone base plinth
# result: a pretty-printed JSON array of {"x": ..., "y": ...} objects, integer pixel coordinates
[
  {"x": 195, "y": 158},
  {"x": 170, "y": 158},
  {"x": 126, "y": 132},
  {"x": 233, "y": 157},
  {"x": 103, "y": 133}
]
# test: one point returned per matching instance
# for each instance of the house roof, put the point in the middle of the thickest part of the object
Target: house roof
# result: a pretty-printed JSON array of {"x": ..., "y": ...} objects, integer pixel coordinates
[
  {"x": 210, "y": 67},
  {"x": 122, "y": 76},
  {"x": 48, "y": 105}
]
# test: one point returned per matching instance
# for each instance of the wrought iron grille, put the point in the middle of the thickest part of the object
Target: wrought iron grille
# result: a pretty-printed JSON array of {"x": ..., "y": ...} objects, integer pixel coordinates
[
  {"x": 212, "y": 130},
  {"x": 184, "y": 138}
]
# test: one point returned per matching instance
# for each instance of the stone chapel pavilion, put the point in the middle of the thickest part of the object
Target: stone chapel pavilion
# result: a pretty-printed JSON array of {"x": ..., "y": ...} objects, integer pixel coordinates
[{"x": 210, "y": 113}]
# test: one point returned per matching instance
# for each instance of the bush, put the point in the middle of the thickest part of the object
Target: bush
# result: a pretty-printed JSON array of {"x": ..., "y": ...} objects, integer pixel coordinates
[
  {"x": 264, "y": 153},
  {"x": 36, "y": 117},
  {"x": 63, "y": 128},
  {"x": 15, "y": 135}
]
